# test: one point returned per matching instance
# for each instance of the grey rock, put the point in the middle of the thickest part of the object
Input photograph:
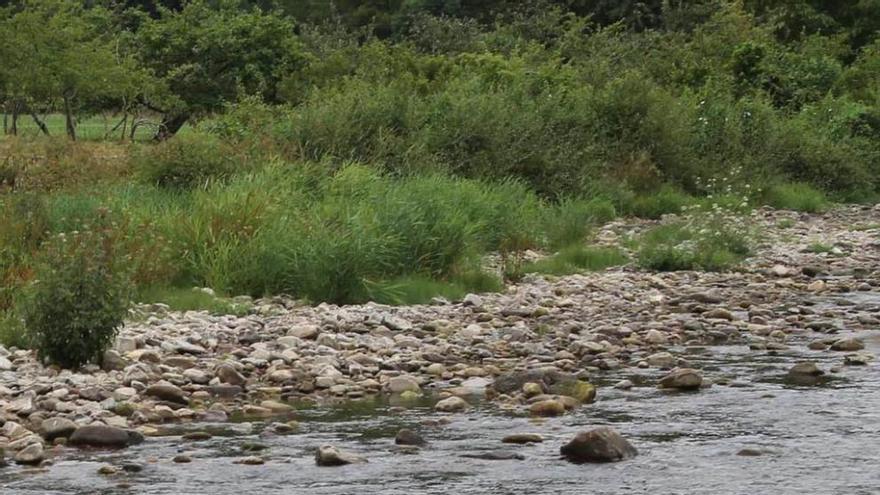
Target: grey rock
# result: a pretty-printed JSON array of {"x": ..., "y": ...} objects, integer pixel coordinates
[
  {"x": 53, "y": 428},
  {"x": 408, "y": 437},
  {"x": 599, "y": 445},
  {"x": 104, "y": 436},
  {"x": 682, "y": 379},
  {"x": 327, "y": 455}
]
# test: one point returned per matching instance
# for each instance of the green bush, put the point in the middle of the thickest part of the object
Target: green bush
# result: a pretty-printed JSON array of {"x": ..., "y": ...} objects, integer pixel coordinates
[
  {"x": 797, "y": 196},
  {"x": 79, "y": 299},
  {"x": 187, "y": 161}
]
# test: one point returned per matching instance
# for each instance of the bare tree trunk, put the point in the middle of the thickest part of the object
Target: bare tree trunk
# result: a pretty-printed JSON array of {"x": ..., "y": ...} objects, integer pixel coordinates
[
  {"x": 69, "y": 123},
  {"x": 169, "y": 126},
  {"x": 40, "y": 123},
  {"x": 5, "y": 122},
  {"x": 14, "y": 128}
]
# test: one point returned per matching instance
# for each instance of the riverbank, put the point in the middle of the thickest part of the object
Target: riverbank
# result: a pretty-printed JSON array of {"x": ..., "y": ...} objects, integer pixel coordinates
[{"x": 809, "y": 290}]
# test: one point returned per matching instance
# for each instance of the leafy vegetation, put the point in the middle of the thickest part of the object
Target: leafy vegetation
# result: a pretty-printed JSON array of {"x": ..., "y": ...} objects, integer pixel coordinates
[
  {"x": 577, "y": 258},
  {"x": 798, "y": 197}
]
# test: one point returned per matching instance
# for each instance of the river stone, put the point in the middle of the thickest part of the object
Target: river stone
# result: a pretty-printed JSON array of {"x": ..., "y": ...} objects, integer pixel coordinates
[
  {"x": 408, "y": 437},
  {"x": 451, "y": 404},
  {"x": 523, "y": 438},
  {"x": 547, "y": 408},
  {"x": 5, "y": 364},
  {"x": 104, "y": 436},
  {"x": 31, "y": 455},
  {"x": 3, "y": 462},
  {"x": 197, "y": 376},
  {"x": 719, "y": 314},
  {"x": 166, "y": 392},
  {"x": 858, "y": 359},
  {"x": 228, "y": 374},
  {"x": 250, "y": 461},
  {"x": 327, "y": 455},
  {"x": 682, "y": 379},
  {"x": 599, "y": 445},
  {"x": 806, "y": 368},
  {"x": 661, "y": 360},
  {"x": 582, "y": 391},
  {"x": 304, "y": 332},
  {"x": 53, "y": 428},
  {"x": 400, "y": 384},
  {"x": 848, "y": 344}
]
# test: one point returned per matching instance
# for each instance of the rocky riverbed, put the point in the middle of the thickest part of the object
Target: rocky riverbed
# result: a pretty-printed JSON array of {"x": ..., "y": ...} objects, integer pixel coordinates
[{"x": 561, "y": 350}]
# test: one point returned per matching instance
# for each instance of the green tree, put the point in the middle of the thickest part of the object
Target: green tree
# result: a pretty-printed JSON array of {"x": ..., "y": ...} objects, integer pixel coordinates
[{"x": 212, "y": 53}]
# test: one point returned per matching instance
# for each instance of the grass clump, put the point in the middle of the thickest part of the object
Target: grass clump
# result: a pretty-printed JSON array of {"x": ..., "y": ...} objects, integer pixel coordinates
[
  {"x": 420, "y": 289},
  {"x": 797, "y": 196},
  {"x": 819, "y": 248},
  {"x": 577, "y": 258},
  {"x": 654, "y": 205},
  {"x": 180, "y": 299},
  {"x": 680, "y": 246}
]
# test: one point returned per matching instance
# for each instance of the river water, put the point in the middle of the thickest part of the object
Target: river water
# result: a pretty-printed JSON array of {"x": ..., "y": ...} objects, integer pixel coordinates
[{"x": 821, "y": 439}]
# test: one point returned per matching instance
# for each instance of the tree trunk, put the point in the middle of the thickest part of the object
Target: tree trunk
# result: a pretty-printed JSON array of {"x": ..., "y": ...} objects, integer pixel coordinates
[
  {"x": 40, "y": 123},
  {"x": 169, "y": 126},
  {"x": 69, "y": 123},
  {"x": 14, "y": 129},
  {"x": 5, "y": 122}
]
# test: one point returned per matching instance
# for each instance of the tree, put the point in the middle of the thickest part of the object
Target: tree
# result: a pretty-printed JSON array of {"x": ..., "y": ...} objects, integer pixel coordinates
[
  {"x": 210, "y": 53},
  {"x": 64, "y": 57}
]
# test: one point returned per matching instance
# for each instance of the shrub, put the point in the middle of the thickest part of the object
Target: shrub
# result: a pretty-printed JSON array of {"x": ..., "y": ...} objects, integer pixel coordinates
[
  {"x": 797, "y": 196},
  {"x": 12, "y": 331},
  {"x": 79, "y": 299},
  {"x": 681, "y": 246},
  {"x": 187, "y": 161}
]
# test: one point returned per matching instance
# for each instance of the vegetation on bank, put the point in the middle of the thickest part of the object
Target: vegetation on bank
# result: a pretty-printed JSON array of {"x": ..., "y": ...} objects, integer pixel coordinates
[{"x": 382, "y": 150}]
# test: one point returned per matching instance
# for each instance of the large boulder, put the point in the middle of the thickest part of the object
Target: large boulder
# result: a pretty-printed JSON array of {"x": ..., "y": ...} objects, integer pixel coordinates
[
  {"x": 104, "y": 436},
  {"x": 599, "y": 445},
  {"x": 327, "y": 455},
  {"x": 31, "y": 455},
  {"x": 848, "y": 345},
  {"x": 682, "y": 379}
]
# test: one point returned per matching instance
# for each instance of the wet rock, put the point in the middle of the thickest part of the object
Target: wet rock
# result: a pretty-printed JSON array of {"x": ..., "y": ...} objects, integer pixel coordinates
[
  {"x": 53, "y": 428},
  {"x": 31, "y": 455},
  {"x": 408, "y": 437},
  {"x": 521, "y": 438},
  {"x": 623, "y": 385},
  {"x": 547, "y": 408},
  {"x": 848, "y": 345},
  {"x": 583, "y": 392},
  {"x": 805, "y": 369},
  {"x": 512, "y": 382},
  {"x": 5, "y": 364},
  {"x": 304, "y": 332},
  {"x": 108, "y": 470},
  {"x": 250, "y": 461},
  {"x": 182, "y": 459},
  {"x": 327, "y": 455},
  {"x": 104, "y": 436},
  {"x": 859, "y": 359},
  {"x": 682, "y": 379},
  {"x": 495, "y": 455},
  {"x": 166, "y": 392},
  {"x": 451, "y": 404},
  {"x": 599, "y": 445}
]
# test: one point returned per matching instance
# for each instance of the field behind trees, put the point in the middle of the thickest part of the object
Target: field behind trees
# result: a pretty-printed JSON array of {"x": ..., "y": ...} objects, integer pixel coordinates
[{"x": 353, "y": 151}]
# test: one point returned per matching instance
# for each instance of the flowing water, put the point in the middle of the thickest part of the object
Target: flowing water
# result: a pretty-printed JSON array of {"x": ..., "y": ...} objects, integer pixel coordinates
[{"x": 819, "y": 439}]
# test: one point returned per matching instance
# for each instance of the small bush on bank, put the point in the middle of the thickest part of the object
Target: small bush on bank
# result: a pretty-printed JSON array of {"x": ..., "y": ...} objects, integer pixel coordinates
[
  {"x": 187, "y": 161},
  {"x": 12, "y": 331},
  {"x": 797, "y": 196},
  {"x": 681, "y": 246},
  {"x": 79, "y": 299}
]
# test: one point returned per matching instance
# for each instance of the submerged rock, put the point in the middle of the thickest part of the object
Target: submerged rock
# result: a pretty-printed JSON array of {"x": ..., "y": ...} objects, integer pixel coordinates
[
  {"x": 495, "y": 455},
  {"x": 599, "y": 445},
  {"x": 550, "y": 407},
  {"x": 31, "y": 455},
  {"x": 53, "y": 428},
  {"x": 327, "y": 455},
  {"x": 848, "y": 344}
]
